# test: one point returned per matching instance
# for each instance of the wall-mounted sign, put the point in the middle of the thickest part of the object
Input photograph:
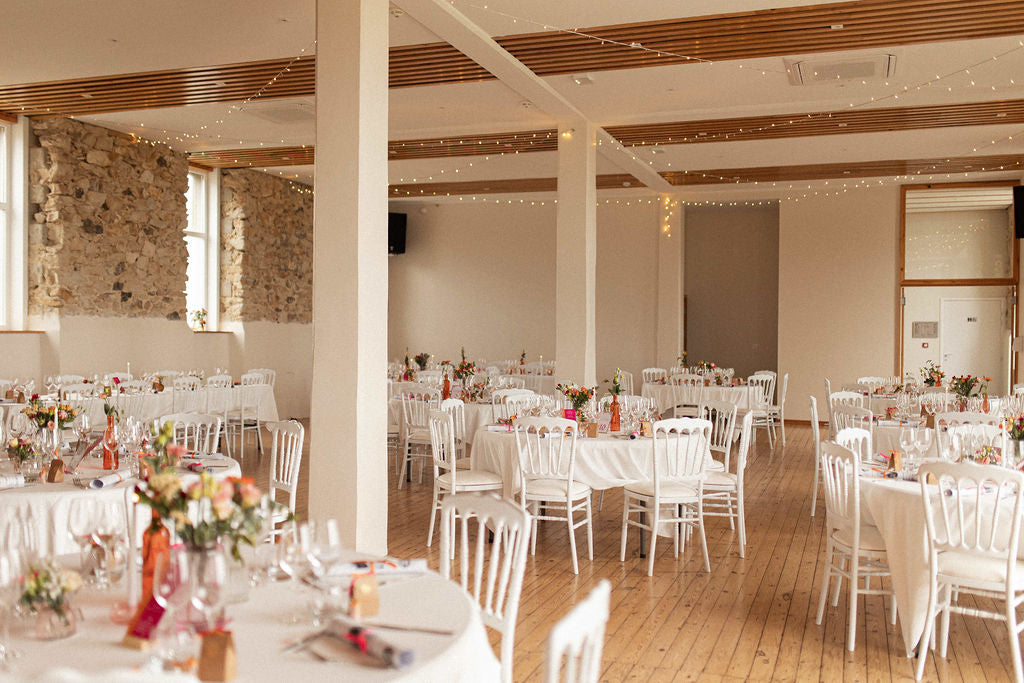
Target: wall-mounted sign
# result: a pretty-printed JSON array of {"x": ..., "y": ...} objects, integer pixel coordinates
[{"x": 925, "y": 330}]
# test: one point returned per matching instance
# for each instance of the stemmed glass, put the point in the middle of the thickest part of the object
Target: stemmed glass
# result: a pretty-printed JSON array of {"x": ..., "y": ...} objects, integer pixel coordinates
[
  {"x": 107, "y": 533},
  {"x": 208, "y": 577},
  {"x": 908, "y": 441},
  {"x": 172, "y": 586},
  {"x": 923, "y": 440},
  {"x": 82, "y": 426},
  {"x": 81, "y": 528}
]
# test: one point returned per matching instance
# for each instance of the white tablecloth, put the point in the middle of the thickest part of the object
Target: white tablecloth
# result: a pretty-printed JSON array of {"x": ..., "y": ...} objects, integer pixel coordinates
[
  {"x": 157, "y": 405},
  {"x": 662, "y": 395},
  {"x": 477, "y": 415},
  {"x": 260, "y": 632},
  {"x": 47, "y": 507},
  {"x": 538, "y": 384},
  {"x": 888, "y": 438},
  {"x": 602, "y": 463},
  {"x": 895, "y": 507}
]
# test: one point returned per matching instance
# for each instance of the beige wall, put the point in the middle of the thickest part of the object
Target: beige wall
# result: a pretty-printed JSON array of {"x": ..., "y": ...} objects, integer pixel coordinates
[
  {"x": 483, "y": 276},
  {"x": 732, "y": 286},
  {"x": 837, "y": 284}
]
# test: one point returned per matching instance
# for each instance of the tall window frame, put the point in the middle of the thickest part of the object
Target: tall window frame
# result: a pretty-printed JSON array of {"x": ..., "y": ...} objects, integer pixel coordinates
[
  {"x": 6, "y": 228},
  {"x": 13, "y": 223},
  {"x": 201, "y": 235}
]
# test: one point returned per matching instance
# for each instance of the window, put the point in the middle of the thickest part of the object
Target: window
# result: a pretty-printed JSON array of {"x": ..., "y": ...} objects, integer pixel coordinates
[{"x": 202, "y": 273}]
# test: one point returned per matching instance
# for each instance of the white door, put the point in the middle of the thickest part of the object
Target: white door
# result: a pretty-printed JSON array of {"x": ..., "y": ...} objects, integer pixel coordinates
[{"x": 973, "y": 338}]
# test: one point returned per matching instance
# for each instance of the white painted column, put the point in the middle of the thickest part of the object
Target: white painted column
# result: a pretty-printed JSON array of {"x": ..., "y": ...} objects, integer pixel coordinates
[
  {"x": 671, "y": 321},
  {"x": 348, "y": 450},
  {"x": 576, "y": 251}
]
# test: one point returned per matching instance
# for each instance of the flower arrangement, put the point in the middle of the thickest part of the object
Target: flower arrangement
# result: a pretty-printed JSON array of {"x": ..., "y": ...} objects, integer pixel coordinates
[
  {"x": 522, "y": 357},
  {"x": 682, "y": 359},
  {"x": 164, "y": 453},
  {"x": 966, "y": 386},
  {"x": 229, "y": 511},
  {"x": 577, "y": 396},
  {"x": 705, "y": 366},
  {"x": 986, "y": 455},
  {"x": 932, "y": 374},
  {"x": 475, "y": 391},
  {"x": 421, "y": 360},
  {"x": 407, "y": 375},
  {"x": 110, "y": 409},
  {"x": 19, "y": 449},
  {"x": 47, "y": 585},
  {"x": 1015, "y": 427},
  {"x": 464, "y": 370},
  {"x": 200, "y": 318},
  {"x": 44, "y": 416},
  {"x": 616, "y": 383}
]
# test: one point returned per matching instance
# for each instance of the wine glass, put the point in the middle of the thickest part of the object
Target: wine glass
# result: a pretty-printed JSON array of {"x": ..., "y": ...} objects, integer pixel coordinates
[
  {"x": 208, "y": 577},
  {"x": 80, "y": 528},
  {"x": 908, "y": 441},
  {"x": 923, "y": 440},
  {"x": 108, "y": 533},
  {"x": 82, "y": 426}
]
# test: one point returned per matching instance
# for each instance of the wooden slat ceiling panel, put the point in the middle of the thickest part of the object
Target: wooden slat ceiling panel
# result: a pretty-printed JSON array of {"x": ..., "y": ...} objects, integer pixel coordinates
[
  {"x": 504, "y": 186},
  {"x": 469, "y": 145},
  {"x": 742, "y": 35},
  {"x": 259, "y": 156},
  {"x": 822, "y": 123},
  {"x": 866, "y": 169}
]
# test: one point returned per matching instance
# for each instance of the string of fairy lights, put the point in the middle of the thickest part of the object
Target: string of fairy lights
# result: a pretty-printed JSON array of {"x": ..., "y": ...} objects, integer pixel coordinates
[{"x": 791, "y": 193}]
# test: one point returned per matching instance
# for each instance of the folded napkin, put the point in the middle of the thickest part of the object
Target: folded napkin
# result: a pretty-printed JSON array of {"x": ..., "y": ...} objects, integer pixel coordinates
[
  {"x": 388, "y": 567},
  {"x": 14, "y": 481},
  {"x": 499, "y": 428},
  {"x": 371, "y": 643},
  {"x": 115, "y": 477}
]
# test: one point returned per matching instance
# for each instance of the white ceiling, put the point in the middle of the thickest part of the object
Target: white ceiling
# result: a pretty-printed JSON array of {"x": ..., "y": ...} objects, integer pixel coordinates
[{"x": 57, "y": 39}]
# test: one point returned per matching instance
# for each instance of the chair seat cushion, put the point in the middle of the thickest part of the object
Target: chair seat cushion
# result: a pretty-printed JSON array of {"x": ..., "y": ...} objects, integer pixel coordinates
[
  {"x": 471, "y": 478},
  {"x": 870, "y": 537},
  {"x": 555, "y": 488},
  {"x": 669, "y": 489},
  {"x": 463, "y": 463},
  {"x": 420, "y": 435},
  {"x": 978, "y": 568},
  {"x": 713, "y": 465},
  {"x": 720, "y": 480}
]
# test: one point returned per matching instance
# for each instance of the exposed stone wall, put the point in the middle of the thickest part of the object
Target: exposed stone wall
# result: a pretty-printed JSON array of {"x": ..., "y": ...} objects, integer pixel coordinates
[
  {"x": 266, "y": 234},
  {"x": 108, "y": 215}
]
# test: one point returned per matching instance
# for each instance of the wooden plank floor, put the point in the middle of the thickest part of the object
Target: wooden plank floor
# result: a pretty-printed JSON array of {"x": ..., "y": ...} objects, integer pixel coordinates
[{"x": 752, "y": 618}]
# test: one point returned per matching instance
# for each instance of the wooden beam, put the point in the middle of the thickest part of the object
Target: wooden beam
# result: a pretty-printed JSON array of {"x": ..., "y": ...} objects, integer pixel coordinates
[{"x": 502, "y": 186}]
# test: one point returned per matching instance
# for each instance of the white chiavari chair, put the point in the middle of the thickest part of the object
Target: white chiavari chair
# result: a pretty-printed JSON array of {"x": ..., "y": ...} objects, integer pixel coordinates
[
  {"x": 626, "y": 381},
  {"x": 286, "y": 440},
  {"x": 687, "y": 393},
  {"x": 496, "y": 576},
  {"x": 547, "y": 460},
  {"x": 723, "y": 491},
  {"x": 185, "y": 395},
  {"x": 500, "y": 407},
  {"x": 679, "y": 454},
  {"x": 973, "y": 535},
  {"x": 855, "y": 551},
  {"x": 448, "y": 478},
  {"x": 457, "y": 409},
  {"x": 270, "y": 374},
  {"x": 654, "y": 375},
  {"x": 416, "y": 407},
  {"x": 777, "y": 412},
  {"x": 61, "y": 380},
  {"x": 578, "y": 640},
  {"x": 243, "y": 416},
  {"x": 197, "y": 432},
  {"x": 816, "y": 441},
  {"x": 722, "y": 416},
  {"x": 761, "y": 388},
  {"x": 858, "y": 440}
]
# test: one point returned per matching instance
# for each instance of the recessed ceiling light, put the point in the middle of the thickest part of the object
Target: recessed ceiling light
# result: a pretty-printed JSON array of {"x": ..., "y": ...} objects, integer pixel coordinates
[
  {"x": 286, "y": 158},
  {"x": 636, "y": 44},
  {"x": 657, "y": 151},
  {"x": 1001, "y": 115},
  {"x": 526, "y": 104},
  {"x": 582, "y": 79},
  {"x": 626, "y": 183},
  {"x": 87, "y": 95},
  {"x": 836, "y": 27}
]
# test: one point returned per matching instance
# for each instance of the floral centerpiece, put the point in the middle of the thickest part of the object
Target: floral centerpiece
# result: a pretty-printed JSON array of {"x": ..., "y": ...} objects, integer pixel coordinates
[
  {"x": 578, "y": 397},
  {"x": 986, "y": 455},
  {"x": 616, "y": 383},
  {"x": 421, "y": 360},
  {"x": 475, "y": 390},
  {"x": 19, "y": 450},
  {"x": 706, "y": 366},
  {"x": 47, "y": 587},
  {"x": 199, "y": 319},
  {"x": 44, "y": 416},
  {"x": 464, "y": 371},
  {"x": 682, "y": 359},
  {"x": 407, "y": 375},
  {"x": 522, "y": 357},
  {"x": 932, "y": 374},
  {"x": 1015, "y": 427},
  {"x": 966, "y": 386}
]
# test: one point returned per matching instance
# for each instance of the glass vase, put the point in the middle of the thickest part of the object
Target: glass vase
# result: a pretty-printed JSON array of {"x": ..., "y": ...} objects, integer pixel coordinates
[{"x": 53, "y": 626}]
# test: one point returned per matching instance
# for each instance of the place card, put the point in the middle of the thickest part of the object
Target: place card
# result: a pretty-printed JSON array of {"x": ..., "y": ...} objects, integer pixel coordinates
[
  {"x": 363, "y": 597},
  {"x": 218, "y": 660}
]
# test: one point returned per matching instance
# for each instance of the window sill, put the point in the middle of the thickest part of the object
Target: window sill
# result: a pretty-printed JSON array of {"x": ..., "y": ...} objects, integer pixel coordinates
[
  {"x": 22, "y": 331},
  {"x": 212, "y": 332}
]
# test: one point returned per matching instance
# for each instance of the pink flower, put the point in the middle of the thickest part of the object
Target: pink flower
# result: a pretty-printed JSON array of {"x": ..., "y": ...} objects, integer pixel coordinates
[
  {"x": 250, "y": 495},
  {"x": 176, "y": 450},
  {"x": 117, "y": 380}
]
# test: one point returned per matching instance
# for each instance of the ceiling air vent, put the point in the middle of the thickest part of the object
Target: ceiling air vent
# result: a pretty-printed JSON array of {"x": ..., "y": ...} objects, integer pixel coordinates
[{"x": 820, "y": 71}]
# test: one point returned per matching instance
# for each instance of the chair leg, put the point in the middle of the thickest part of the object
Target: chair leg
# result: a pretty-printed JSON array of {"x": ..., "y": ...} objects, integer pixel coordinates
[
  {"x": 433, "y": 515},
  {"x": 814, "y": 494},
  {"x": 851, "y": 627},
  {"x": 1011, "y": 625},
  {"x": 654, "y": 538},
  {"x": 839, "y": 582},
  {"x": 944, "y": 632},
  {"x": 404, "y": 455},
  {"x": 703, "y": 537},
  {"x": 590, "y": 530},
  {"x": 600, "y": 501},
  {"x": 625, "y": 525},
  {"x": 730, "y": 510},
  {"x": 824, "y": 583},
  {"x": 929, "y": 630},
  {"x": 743, "y": 523},
  {"x": 572, "y": 535},
  {"x": 782, "y": 425}
]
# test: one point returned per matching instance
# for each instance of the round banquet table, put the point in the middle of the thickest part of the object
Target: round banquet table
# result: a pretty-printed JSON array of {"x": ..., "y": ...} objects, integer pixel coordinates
[
  {"x": 47, "y": 507},
  {"x": 260, "y": 632},
  {"x": 663, "y": 397},
  {"x": 538, "y": 384},
  {"x": 477, "y": 415},
  {"x": 887, "y": 437},
  {"x": 895, "y": 507},
  {"x": 602, "y": 463}
]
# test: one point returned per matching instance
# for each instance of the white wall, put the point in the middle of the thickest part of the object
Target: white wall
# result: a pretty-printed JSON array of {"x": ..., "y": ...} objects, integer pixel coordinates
[
  {"x": 97, "y": 345},
  {"x": 483, "y": 276},
  {"x": 837, "y": 291}
]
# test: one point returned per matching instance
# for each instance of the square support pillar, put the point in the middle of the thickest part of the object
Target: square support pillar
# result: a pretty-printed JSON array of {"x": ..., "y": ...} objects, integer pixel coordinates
[
  {"x": 670, "y": 316},
  {"x": 576, "y": 253},
  {"x": 348, "y": 465}
]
